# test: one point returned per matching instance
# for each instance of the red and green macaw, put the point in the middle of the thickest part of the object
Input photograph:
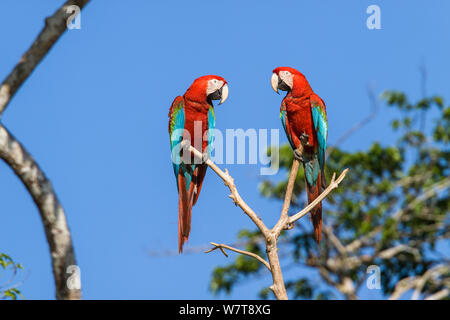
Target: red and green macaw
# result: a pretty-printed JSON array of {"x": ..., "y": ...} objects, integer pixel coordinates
[
  {"x": 191, "y": 118},
  {"x": 304, "y": 118}
]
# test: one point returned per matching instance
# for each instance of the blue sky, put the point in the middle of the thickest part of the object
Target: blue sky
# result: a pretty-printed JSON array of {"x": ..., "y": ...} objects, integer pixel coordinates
[{"x": 94, "y": 116}]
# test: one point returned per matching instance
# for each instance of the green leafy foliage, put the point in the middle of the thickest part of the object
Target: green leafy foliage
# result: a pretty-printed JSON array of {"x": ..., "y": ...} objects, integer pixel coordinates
[
  {"x": 7, "y": 291},
  {"x": 391, "y": 211}
]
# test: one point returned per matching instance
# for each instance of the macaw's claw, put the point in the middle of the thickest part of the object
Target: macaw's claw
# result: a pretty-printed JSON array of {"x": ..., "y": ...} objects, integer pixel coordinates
[
  {"x": 304, "y": 138},
  {"x": 298, "y": 155}
]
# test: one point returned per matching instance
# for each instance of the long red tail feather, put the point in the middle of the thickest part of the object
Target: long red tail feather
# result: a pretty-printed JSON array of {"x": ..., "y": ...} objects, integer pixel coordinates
[
  {"x": 186, "y": 200},
  {"x": 316, "y": 213}
]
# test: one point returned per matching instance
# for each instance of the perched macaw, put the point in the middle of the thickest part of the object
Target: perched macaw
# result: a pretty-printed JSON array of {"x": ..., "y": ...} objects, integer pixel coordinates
[
  {"x": 190, "y": 118},
  {"x": 304, "y": 118}
]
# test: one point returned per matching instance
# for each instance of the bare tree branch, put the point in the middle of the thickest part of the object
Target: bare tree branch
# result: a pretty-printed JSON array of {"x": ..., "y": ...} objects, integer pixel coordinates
[
  {"x": 431, "y": 274},
  {"x": 25, "y": 167},
  {"x": 50, "y": 209},
  {"x": 229, "y": 182},
  {"x": 391, "y": 252},
  {"x": 271, "y": 236},
  {"x": 287, "y": 199},
  {"x": 401, "y": 287},
  {"x": 53, "y": 29},
  {"x": 417, "y": 283},
  {"x": 333, "y": 185},
  {"x": 247, "y": 253},
  {"x": 444, "y": 293},
  {"x": 334, "y": 240}
]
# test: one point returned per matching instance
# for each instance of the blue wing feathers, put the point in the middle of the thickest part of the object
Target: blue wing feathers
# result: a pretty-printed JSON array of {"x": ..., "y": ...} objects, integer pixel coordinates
[
  {"x": 176, "y": 125},
  {"x": 320, "y": 125},
  {"x": 211, "y": 126}
]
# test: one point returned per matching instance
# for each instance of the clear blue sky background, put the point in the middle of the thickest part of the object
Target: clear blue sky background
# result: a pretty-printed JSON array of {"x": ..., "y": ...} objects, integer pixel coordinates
[{"x": 94, "y": 115}]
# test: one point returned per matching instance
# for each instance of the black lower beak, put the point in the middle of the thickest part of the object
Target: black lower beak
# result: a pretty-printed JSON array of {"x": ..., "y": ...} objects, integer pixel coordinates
[
  {"x": 216, "y": 95},
  {"x": 282, "y": 85}
]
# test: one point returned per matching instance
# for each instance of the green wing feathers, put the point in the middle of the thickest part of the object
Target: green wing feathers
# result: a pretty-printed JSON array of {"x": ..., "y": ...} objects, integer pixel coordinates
[{"x": 176, "y": 127}]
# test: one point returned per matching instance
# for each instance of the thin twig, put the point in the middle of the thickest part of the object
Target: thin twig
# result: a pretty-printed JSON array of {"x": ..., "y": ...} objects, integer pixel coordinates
[
  {"x": 247, "y": 253},
  {"x": 333, "y": 185}
]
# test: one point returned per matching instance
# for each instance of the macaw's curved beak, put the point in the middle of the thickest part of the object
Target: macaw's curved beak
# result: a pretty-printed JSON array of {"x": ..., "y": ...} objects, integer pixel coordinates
[
  {"x": 278, "y": 84},
  {"x": 224, "y": 93},
  {"x": 220, "y": 94},
  {"x": 274, "y": 81}
]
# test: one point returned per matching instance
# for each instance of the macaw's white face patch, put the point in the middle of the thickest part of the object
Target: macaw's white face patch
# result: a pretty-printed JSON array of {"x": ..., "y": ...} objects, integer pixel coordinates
[
  {"x": 217, "y": 88},
  {"x": 213, "y": 86},
  {"x": 287, "y": 78},
  {"x": 284, "y": 80}
]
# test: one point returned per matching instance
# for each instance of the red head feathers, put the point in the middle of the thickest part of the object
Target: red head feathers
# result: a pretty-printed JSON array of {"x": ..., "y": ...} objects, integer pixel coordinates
[
  {"x": 290, "y": 79},
  {"x": 208, "y": 88}
]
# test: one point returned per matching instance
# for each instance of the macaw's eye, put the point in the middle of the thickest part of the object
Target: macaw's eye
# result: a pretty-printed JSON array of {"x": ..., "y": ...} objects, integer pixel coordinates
[{"x": 215, "y": 81}]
